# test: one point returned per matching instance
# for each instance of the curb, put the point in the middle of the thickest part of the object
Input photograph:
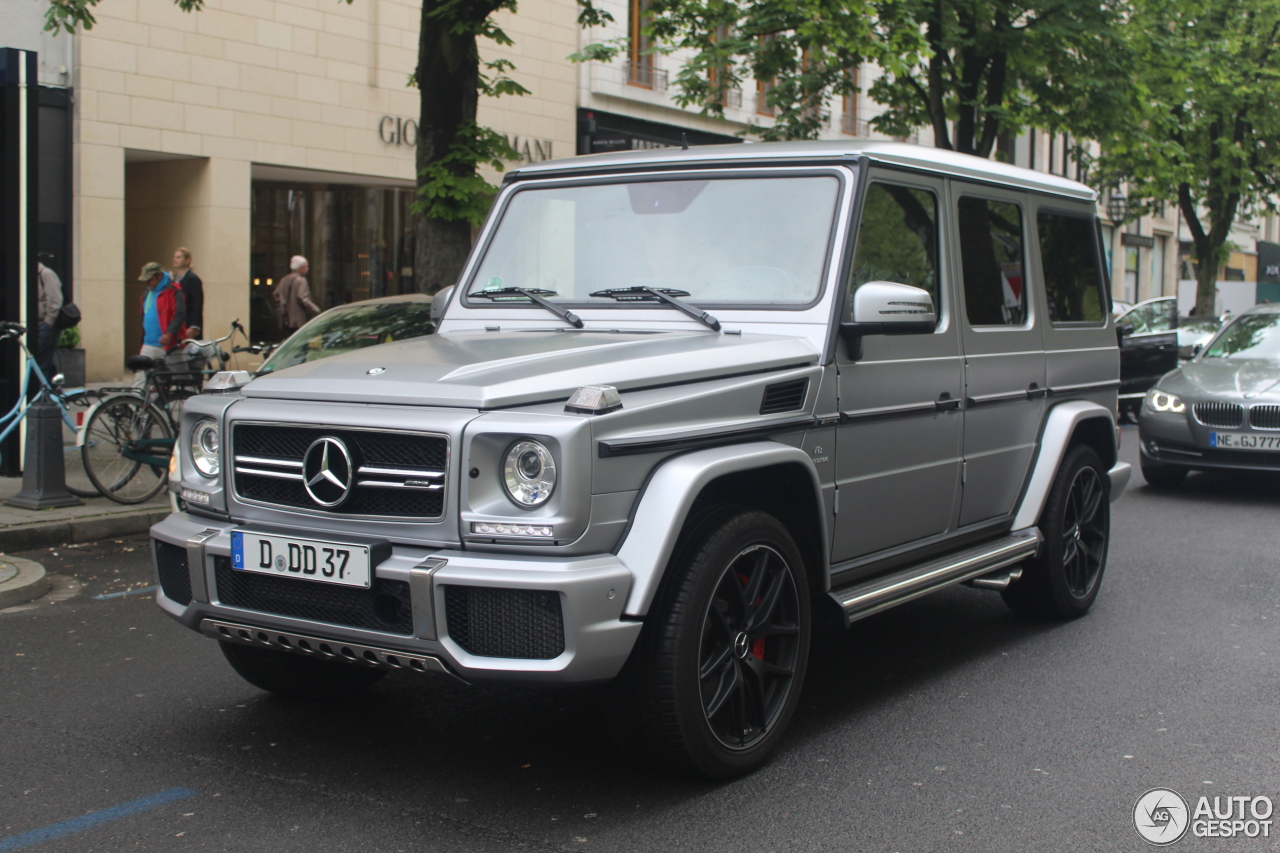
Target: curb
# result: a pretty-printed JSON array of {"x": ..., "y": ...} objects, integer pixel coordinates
[
  {"x": 29, "y": 581},
  {"x": 28, "y": 537}
]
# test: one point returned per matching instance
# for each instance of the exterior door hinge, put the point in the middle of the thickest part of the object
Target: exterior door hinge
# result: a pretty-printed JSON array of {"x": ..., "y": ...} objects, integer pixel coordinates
[
  {"x": 835, "y": 502},
  {"x": 964, "y": 473}
]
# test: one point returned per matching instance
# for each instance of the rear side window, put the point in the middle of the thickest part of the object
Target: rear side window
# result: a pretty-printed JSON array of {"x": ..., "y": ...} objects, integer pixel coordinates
[
  {"x": 898, "y": 239},
  {"x": 991, "y": 251},
  {"x": 1072, "y": 276}
]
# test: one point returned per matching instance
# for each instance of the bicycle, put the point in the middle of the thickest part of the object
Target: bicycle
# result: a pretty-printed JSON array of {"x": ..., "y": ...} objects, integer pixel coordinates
[
  {"x": 72, "y": 403},
  {"x": 129, "y": 437}
]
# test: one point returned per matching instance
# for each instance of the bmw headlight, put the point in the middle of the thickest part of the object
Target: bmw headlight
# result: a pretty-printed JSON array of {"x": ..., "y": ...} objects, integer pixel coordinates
[
  {"x": 1163, "y": 401},
  {"x": 204, "y": 447},
  {"x": 529, "y": 473}
]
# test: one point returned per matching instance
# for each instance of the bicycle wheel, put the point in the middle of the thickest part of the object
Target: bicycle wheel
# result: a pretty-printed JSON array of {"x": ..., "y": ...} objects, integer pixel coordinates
[
  {"x": 77, "y": 479},
  {"x": 126, "y": 449}
]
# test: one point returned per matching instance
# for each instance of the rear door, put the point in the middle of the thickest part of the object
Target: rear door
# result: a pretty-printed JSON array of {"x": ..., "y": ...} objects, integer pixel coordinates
[{"x": 1003, "y": 348}]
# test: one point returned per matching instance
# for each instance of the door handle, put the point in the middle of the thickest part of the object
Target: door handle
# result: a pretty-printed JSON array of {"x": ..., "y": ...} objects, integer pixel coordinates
[
  {"x": 1034, "y": 391},
  {"x": 946, "y": 404}
]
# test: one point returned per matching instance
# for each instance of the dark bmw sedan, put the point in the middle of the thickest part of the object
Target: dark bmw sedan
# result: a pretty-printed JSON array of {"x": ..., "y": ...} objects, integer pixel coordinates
[{"x": 1222, "y": 408}]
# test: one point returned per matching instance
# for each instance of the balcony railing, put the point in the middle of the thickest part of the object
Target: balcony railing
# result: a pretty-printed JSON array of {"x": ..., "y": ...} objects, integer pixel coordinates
[{"x": 644, "y": 75}]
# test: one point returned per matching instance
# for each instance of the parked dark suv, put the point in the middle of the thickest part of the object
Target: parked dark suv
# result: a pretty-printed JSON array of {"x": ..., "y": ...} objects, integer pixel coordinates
[{"x": 681, "y": 405}]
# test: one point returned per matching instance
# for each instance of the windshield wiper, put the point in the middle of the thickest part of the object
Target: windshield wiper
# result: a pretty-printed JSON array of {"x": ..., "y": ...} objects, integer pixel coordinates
[
  {"x": 534, "y": 295},
  {"x": 640, "y": 293}
]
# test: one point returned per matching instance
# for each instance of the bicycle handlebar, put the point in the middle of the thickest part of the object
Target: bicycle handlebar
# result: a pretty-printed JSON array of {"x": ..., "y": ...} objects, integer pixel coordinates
[
  {"x": 8, "y": 329},
  {"x": 235, "y": 326}
]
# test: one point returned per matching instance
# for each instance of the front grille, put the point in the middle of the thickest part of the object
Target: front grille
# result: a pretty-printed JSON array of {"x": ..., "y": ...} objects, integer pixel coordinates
[
  {"x": 784, "y": 396},
  {"x": 171, "y": 567},
  {"x": 401, "y": 475},
  {"x": 1265, "y": 417},
  {"x": 385, "y": 606},
  {"x": 1219, "y": 414},
  {"x": 505, "y": 623}
]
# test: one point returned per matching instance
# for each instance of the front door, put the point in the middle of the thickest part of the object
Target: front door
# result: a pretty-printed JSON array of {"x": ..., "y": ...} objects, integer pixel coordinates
[
  {"x": 898, "y": 443},
  {"x": 1003, "y": 349}
]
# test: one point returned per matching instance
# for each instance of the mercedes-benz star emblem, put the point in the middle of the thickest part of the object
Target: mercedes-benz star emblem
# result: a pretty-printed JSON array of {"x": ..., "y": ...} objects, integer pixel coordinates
[{"x": 326, "y": 471}]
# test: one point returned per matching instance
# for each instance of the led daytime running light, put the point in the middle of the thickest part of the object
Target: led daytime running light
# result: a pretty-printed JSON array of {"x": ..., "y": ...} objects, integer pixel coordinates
[{"x": 1163, "y": 401}]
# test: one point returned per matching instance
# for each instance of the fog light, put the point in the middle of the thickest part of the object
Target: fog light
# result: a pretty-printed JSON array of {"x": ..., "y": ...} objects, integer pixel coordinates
[{"x": 489, "y": 528}]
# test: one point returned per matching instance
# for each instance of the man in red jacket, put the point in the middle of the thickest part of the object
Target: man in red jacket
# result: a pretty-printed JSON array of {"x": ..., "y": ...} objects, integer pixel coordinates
[{"x": 164, "y": 312}]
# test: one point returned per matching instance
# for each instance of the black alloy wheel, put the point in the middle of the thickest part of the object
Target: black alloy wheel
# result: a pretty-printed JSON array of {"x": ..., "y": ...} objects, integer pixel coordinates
[
  {"x": 1084, "y": 534},
  {"x": 750, "y": 646},
  {"x": 1062, "y": 582},
  {"x": 717, "y": 672}
]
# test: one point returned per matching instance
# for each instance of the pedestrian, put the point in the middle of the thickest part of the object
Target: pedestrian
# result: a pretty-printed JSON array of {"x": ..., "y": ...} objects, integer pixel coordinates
[
  {"x": 192, "y": 290},
  {"x": 49, "y": 306},
  {"x": 292, "y": 297},
  {"x": 164, "y": 312}
]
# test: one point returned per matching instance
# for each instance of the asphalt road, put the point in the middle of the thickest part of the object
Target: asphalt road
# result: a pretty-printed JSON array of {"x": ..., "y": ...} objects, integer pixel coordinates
[{"x": 945, "y": 725}]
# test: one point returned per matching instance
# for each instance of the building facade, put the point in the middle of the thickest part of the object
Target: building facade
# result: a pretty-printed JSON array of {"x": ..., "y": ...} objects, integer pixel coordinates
[{"x": 249, "y": 132}]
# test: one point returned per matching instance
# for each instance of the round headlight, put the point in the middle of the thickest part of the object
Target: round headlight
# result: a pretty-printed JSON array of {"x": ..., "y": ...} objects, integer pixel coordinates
[
  {"x": 529, "y": 473},
  {"x": 1162, "y": 401},
  {"x": 204, "y": 447}
]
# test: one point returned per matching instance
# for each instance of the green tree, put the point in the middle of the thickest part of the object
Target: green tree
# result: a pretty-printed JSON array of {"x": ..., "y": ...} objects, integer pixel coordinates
[
  {"x": 450, "y": 77},
  {"x": 1204, "y": 119},
  {"x": 968, "y": 69}
]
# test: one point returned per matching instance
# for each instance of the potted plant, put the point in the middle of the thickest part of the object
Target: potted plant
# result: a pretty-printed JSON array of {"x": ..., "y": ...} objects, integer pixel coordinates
[{"x": 69, "y": 357}]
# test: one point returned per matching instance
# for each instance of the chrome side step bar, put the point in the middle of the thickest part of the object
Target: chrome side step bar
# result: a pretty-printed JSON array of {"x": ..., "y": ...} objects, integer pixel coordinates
[
  {"x": 864, "y": 599},
  {"x": 356, "y": 653}
]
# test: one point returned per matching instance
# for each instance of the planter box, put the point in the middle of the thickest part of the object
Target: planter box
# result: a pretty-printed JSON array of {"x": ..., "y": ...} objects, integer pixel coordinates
[{"x": 70, "y": 364}]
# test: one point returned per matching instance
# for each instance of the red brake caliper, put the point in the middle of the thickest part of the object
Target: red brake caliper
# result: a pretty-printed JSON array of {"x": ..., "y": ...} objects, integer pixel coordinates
[{"x": 757, "y": 648}]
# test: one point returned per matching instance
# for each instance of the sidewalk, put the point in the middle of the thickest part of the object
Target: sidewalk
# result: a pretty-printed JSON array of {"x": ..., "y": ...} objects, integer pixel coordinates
[{"x": 98, "y": 518}]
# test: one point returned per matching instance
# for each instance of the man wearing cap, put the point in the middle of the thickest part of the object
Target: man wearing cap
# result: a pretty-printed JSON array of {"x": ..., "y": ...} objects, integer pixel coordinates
[{"x": 164, "y": 312}]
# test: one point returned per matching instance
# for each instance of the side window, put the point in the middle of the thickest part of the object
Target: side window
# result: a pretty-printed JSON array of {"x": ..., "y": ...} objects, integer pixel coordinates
[
  {"x": 1072, "y": 277},
  {"x": 898, "y": 238},
  {"x": 991, "y": 252}
]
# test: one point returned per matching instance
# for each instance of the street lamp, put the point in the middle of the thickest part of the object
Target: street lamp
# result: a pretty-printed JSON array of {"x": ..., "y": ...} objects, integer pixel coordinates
[{"x": 1117, "y": 208}]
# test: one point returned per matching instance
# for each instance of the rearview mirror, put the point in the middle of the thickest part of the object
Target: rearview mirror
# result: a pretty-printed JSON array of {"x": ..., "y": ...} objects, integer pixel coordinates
[{"x": 888, "y": 308}]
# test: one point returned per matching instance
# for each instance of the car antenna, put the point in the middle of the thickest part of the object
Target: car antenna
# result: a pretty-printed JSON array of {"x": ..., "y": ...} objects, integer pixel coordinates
[{"x": 684, "y": 141}]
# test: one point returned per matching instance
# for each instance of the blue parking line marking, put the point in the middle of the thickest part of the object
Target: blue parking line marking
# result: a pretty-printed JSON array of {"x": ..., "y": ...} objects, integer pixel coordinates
[
  {"x": 80, "y": 824},
  {"x": 121, "y": 595}
]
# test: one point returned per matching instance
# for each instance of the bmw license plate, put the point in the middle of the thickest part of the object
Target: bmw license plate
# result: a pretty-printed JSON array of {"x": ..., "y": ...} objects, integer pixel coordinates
[
  {"x": 1244, "y": 441},
  {"x": 309, "y": 559}
]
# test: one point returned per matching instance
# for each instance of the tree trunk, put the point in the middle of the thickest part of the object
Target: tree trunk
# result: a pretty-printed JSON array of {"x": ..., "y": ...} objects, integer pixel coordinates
[
  {"x": 1206, "y": 276},
  {"x": 448, "y": 77}
]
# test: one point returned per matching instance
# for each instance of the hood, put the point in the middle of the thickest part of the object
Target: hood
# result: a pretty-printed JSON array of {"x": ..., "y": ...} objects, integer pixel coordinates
[
  {"x": 1226, "y": 377},
  {"x": 488, "y": 370}
]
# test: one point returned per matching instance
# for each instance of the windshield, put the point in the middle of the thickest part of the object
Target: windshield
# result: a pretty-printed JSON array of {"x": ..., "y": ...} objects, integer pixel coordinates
[
  {"x": 722, "y": 240},
  {"x": 1251, "y": 336},
  {"x": 353, "y": 327}
]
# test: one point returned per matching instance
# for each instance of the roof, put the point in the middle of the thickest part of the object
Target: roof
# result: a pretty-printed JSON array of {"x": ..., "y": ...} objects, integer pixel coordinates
[{"x": 892, "y": 153}]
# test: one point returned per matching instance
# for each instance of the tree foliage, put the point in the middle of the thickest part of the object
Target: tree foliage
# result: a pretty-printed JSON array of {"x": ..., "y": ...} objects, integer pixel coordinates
[
  {"x": 968, "y": 70},
  {"x": 1203, "y": 121},
  {"x": 451, "y": 194}
]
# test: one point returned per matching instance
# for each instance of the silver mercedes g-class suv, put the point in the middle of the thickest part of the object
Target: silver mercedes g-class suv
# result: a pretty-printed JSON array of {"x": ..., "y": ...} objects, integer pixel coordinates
[{"x": 682, "y": 406}]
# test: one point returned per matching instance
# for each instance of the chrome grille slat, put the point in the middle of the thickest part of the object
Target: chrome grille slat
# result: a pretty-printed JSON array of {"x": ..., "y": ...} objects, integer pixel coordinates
[
  {"x": 1218, "y": 414},
  {"x": 1264, "y": 417},
  {"x": 262, "y": 460},
  {"x": 399, "y": 472},
  {"x": 282, "y": 475}
]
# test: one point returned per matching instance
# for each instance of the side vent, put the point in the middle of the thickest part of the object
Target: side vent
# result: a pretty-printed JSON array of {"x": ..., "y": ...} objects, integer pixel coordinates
[{"x": 784, "y": 396}]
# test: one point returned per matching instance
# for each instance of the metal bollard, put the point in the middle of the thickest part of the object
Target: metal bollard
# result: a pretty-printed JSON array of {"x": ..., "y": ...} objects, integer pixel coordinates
[{"x": 44, "y": 480}]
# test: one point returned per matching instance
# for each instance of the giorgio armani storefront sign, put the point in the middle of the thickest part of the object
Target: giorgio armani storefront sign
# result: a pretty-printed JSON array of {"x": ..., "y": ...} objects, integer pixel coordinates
[{"x": 393, "y": 130}]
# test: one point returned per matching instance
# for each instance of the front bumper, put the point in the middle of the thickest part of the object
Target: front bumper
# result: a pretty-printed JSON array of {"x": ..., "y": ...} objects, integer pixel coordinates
[
  {"x": 1178, "y": 441},
  {"x": 591, "y": 592}
]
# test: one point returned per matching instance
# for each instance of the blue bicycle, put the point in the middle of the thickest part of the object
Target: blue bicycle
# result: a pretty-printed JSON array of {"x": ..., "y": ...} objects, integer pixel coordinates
[{"x": 74, "y": 404}]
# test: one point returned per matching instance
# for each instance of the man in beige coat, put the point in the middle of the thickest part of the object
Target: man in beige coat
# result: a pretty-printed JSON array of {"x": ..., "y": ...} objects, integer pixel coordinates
[{"x": 292, "y": 297}]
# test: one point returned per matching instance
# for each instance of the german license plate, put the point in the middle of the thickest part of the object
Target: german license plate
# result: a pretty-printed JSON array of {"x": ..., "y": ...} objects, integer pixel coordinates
[
  {"x": 1244, "y": 441},
  {"x": 309, "y": 559}
]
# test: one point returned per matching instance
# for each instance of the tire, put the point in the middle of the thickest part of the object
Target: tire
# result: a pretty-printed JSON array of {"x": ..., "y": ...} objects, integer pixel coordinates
[
  {"x": 1063, "y": 581},
  {"x": 74, "y": 474},
  {"x": 718, "y": 669},
  {"x": 109, "y": 429},
  {"x": 1163, "y": 476},
  {"x": 296, "y": 677}
]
